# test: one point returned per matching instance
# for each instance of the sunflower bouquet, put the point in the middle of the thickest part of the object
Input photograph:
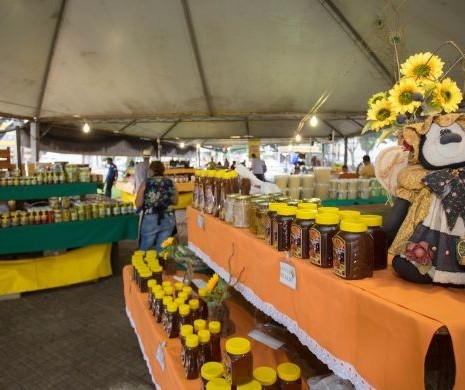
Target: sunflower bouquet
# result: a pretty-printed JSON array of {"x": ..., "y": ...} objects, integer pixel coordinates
[
  {"x": 174, "y": 254},
  {"x": 423, "y": 89}
]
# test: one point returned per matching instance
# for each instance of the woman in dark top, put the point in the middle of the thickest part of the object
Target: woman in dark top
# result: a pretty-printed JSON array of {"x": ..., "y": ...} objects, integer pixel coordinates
[{"x": 154, "y": 197}]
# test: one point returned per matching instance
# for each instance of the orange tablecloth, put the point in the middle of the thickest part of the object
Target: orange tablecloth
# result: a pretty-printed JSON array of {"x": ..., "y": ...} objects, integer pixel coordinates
[
  {"x": 151, "y": 334},
  {"x": 374, "y": 332}
]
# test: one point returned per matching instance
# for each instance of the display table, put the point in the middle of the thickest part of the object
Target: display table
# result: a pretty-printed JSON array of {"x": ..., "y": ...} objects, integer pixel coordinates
[
  {"x": 350, "y": 202},
  {"x": 152, "y": 336},
  {"x": 45, "y": 191},
  {"x": 374, "y": 332},
  {"x": 54, "y": 236}
]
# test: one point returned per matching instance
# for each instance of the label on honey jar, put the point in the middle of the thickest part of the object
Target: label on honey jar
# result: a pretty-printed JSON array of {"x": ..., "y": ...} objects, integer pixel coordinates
[
  {"x": 296, "y": 241},
  {"x": 275, "y": 234},
  {"x": 339, "y": 256},
  {"x": 315, "y": 246},
  {"x": 267, "y": 228},
  {"x": 227, "y": 366},
  {"x": 209, "y": 203}
]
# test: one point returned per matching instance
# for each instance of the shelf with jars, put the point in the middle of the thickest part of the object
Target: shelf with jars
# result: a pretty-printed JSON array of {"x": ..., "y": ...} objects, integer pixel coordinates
[{"x": 348, "y": 324}]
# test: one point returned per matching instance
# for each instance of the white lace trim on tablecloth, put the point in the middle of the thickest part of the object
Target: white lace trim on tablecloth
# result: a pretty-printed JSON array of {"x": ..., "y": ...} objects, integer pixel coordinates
[
  {"x": 133, "y": 324},
  {"x": 339, "y": 367}
]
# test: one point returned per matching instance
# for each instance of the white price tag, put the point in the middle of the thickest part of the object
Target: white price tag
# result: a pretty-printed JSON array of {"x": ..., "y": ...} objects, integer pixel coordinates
[
  {"x": 201, "y": 221},
  {"x": 287, "y": 275},
  {"x": 160, "y": 355}
]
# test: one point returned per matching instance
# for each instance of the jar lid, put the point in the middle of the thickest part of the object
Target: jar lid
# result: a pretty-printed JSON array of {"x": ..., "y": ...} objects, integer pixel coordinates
[
  {"x": 172, "y": 307},
  {"x": 204, "y": 335},
  {"x": 238, "y": 346},
  {"x": 180, "y": 301},
  {"x": 151, "y": 253},
  {"x": 218, "y": 384},
  {"x": 156, "y": 288},
  {"x": 182, "y": 295},
  {"x": 372, "y": 219},
  {"x": 211, "y": 370},
  {"x": 327, "y": 219},
  {"x": 168, "y": 290},
  {"x": 194, "y": 304},
  {"x": 288, "y": 371},
  {"x": 252, "y": 385},
  {"x": 157, "y": 269},
  {"x": 199, "y": 324},
  {"x": 186, "y": 329},
  {"x": 274, "y": 206},
  {"x": 187, "y": 290},
  {"x": 184, "y": 310},
  {"x": 166, "y": 283},
  {"x": 353, "y": 225},
  {"x": 306, "y": 214},
  {"x": 159, "y": 294},
  {"x": 202, "y": 292},
  {"x": 139, "y": 253},
  {"x": 265, "y": 375},
  {"x": 151, "y": 283},
  {"x": 178, "y": 286},
  {"x": 167, "y": 299},
  {"x": 287, "y": 211},
  {"x": 145, "y": 273},
  {"x": 192, "y": 340},
  {"x": 214, "y": 327},
  {"x": 328, "y": 209},
  {"x": 348, "y": 214},
  {"x": 307, "y": 205}
]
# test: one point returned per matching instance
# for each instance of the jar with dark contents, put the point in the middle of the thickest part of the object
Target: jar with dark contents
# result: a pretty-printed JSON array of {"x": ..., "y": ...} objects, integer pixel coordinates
[
  {"x": 201, "y": 190},
  {"x": 195, "y": 192},
  {"x": 307, "y": 206},
  {"x": 374, "y": 224},
  {"x": 172, "y": 320},
  {"x": 260, "y": 214},
  {"x": 158, "y": 305},
  {"x": 158, "y": 274},
  {"x": 305, "y": 219},
  {"x": 184, "y": 331},
  {"x": 353, "y": 250},
  {"x": 205, "y": 351},
  {"x": 267, "y": 377},
  {"x": 282, "y": 228},
  {"x": 252, "y": 385},
  {"x": 320, "y": 239},
  {"x": 289, "y": 376},
  {"x": 164, "y": 310},
  {"x": 144, "y": 276},
  {"x": 209, "y": 191},
  {"x": 215, "y": 337},
  {"x": 191, "y": 365},
  {"x": 199, "y": 324},
  {"x": 184, "y": 315},
  {"x": 203, "y": 306},
  {"x": 218, "y": 384},
  {"x": 209, "y": 371},
  {"x": 252, "y": 208},
  {"x": 238, "y": 361},
  {"x": 268, "y": 220},
  {"x": 150, "y": 284},
  {"x": 194, "y": 305}
]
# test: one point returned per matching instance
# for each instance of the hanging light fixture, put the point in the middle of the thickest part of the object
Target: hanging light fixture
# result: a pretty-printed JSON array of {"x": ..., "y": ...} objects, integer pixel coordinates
[
  {"x": 298, "y": 137},
  {"x": 182, "y": 145},
  {"x": 86, "y": 128},
  {"x": 197, "y": 146},
  {"x": 313, "y": 121}
]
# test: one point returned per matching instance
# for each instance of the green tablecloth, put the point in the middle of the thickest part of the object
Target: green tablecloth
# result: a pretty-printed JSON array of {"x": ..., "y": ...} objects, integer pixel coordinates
[
  {"x": 45, "y": 191},
  {"x": 35, "y": 238},
  {"x": 349, "y": 202}
]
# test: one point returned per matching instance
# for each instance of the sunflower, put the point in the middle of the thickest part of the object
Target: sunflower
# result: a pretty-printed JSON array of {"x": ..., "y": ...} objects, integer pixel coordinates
[
  {"x": 167, "y": 242},
  {"x": 381, "y": 113},
  {"x": 212, "y": 282},
  {"x": 422, "y": 66},
  {"x": 447, "y": 95},
  {"x": 376, "y": 97},
  {"x": 403, "y": 96}
]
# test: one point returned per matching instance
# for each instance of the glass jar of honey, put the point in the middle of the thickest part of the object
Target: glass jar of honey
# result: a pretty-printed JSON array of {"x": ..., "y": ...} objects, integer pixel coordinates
[
  {"x": 269, "y": 218},
  {"x": 282, "y": 228},
  {"x": 320, "y": 239},
  {"x": 184, "y": 331},
  {"x": 260, "y": 215},
  {"x": 194, "y": 305},
  {"x": 209, "y": 371},
  {"x": 218, "y": 384},
  {"x": 191, "y": 366},
  {"x": 305, "y": 219},
  {"x": 205, "y": 352},
  {"x": 267, "y": 377},
  {"x": 215, "y": 337},
  {"x": 203, "y": 306},
  {"x": 172, "y": 320},
  {"x": 238, "y": 361},
  {"x": 241, "y": 215},
  {"x": 374, "y": 223},
  {"x": 289, "y": 376},
  {"x": 185, "y": 315},
  {"x": 199, "y": 324}
]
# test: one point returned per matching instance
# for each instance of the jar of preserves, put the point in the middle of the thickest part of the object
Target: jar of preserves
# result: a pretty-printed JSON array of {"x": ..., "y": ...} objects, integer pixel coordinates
[
  {"x": 353, "y": 250},
  {"x": 374, "y": 224},
  {"x": 178, "y": 288},
  {"x": 65, "y": 202},
  {"x": 58, "y": 216},
  {"x": 53, "y": 202},
  {"x": 158, "y": 305},
  {"x": 191, "y": 366},
  {"x": 307, "y": 206},
  {"x": 269, "y": 218},
  {"x": 267, "y": 377},
  {"x": 209, "y": 188},
  {"x": 185, "y": 317},
  {"x": 205, "y": 352},
  {"x": 150, "y": 284},
  {"x": 194, "y": 305},
  {"x": 195, "y": 192},
  {"x": 199, "y": 324},
  {"x": 252, "y": 209},
  {"x": 172, "y": 320},
  {"x": 218, "y": 384},
  {"x": 188, "y": 291},
  {"x": 164, "y": 311},
  {"x": 203, "y": 306},
  {"x": 320, "y": 239},
  {"x": 289, "y": 377},
  {"x": 252, "y": 385},
  {"x": 229, "y": 208},
  {"x": 282, "y": 228},
  {"x": 215, "y": 337},
  {"x": 66, "y": 215},
  {"x": 74, "y": 214},
  {"x": 202, "y": 180},
  {"x": 238, "y": 361},
  {"x": 209, "y": 371},
  {"x": 184, "y": 331},
  {"x": 305, "y": 219},
  {"x": 241, "y": 215},
  {"x": 260, "y": 215},
  {"x": 145, "y": 275}
]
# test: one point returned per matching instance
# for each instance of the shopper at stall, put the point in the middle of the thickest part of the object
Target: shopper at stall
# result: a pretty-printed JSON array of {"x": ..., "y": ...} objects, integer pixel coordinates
[
  {"x": 366, "y": 169},
  {"x": 112, "y": 175},
  {"x": 141, "y": 171},
  {"x": 154, "y": 197},
  {"x": 258, "y": 167}
]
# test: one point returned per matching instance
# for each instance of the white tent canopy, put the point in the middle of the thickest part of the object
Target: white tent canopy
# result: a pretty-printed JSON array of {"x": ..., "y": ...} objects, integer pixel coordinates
[{"x": 206, "y": 69}]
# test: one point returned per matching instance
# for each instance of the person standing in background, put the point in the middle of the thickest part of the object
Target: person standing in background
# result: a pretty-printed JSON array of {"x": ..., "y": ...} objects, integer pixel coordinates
[
  {"x": 366, "y": 170},
  {"x": 112, "y": 175},
  {"x": 155, "y": 197},
  {"x": 141, "y": 171},
  {"x": 258, "y": 167}
]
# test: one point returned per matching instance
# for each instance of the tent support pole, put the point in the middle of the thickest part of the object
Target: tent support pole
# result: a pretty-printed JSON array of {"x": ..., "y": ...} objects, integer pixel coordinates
[
  {"x": 346, "y": 145},
  {"x": 35, "y": 136}
]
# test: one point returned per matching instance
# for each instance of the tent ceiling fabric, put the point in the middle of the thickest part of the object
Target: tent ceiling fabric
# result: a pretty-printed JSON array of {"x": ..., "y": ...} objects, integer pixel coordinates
[{"x": 155, "y": 68}]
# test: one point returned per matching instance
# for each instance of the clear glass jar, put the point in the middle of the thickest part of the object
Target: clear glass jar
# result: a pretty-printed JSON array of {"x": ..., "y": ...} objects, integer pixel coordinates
[
  {"x": 229, "y": 208},
  {"x": 240, "y": 211}
]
